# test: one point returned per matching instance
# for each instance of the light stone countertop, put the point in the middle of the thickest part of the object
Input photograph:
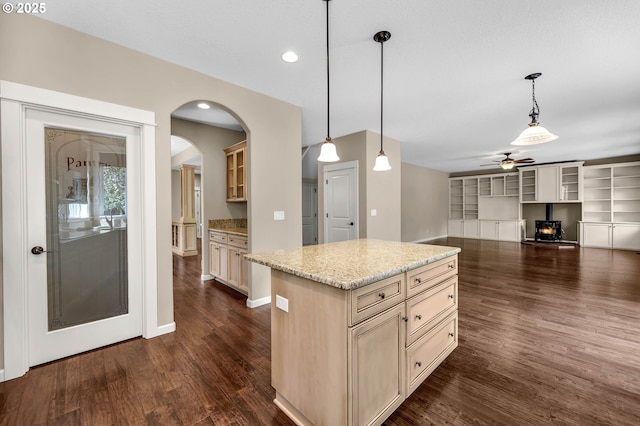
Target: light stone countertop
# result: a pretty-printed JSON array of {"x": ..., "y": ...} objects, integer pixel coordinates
[
  {"x": 352, "y": 264},
  {"x": 237, "y": 231}
]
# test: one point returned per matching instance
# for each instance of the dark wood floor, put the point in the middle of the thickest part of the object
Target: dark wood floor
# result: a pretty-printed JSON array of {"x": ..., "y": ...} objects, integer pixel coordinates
[{"x": 547, "y": 337}]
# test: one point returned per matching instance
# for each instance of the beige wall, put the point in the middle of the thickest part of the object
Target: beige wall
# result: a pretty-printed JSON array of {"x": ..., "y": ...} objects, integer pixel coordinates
[
  {"x": 425, "y": 201},
  {"x": 40, "y": 53},
  {"x": 376, "y": 190}
]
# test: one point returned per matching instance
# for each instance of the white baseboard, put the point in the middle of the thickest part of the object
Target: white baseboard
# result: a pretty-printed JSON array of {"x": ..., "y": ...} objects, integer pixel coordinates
[
  {"x": 207, "y": 277},
  {"x": 429, "y": 239},
  {"x": 163, "y": 329},
  {"x": 258, "y": 302}
]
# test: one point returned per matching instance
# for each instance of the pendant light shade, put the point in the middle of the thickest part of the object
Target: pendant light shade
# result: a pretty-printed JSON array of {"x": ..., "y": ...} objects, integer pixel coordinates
[
  {"x": 328, "y": 153},
  {"x": 382, "y": 161},
  {"x": 534, "y": 134}
]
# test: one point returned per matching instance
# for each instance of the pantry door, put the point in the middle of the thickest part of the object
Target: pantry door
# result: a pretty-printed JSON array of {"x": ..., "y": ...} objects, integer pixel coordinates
[
  {"x": 79, "y": 291},
  {"x": 73, "y": 191}
]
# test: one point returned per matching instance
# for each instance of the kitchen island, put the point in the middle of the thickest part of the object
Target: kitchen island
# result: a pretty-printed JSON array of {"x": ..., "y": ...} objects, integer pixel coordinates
[{"x": 357, "y": 326}]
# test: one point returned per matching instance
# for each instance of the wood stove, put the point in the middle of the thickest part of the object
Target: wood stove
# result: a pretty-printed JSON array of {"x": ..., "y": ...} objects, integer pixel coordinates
[{"x": 548, "y": 229}]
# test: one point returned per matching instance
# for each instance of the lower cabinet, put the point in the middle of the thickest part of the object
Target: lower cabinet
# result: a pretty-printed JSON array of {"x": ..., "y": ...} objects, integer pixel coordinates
[
  {"x": 625, "y": 236},
  {"x": 463, "y": 228},
  {"x": 226, "y": 259},
  {"x": 386, "y": 337},
  {"x": 502, "y": 230}
]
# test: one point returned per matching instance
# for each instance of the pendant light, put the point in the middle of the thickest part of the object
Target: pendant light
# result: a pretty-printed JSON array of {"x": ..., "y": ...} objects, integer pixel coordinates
[
  {"x": 534, "y": 134},
  {"x": 328, "y": 152},
  {"x": 382, "y": 161}
]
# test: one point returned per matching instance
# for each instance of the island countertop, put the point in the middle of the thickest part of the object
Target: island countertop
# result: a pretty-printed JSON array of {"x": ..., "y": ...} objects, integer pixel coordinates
[{"x": 354, "y": 263}]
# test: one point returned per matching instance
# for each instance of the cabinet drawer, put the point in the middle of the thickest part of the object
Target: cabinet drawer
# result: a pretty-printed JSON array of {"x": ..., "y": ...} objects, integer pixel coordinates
[
  {"x": 429, "y": 307},
  {"x": 430, "y": 350},
  {"x": 237, "y": 241},
  {"x": 374, "y": 298},
  {"x": 218, "y": 237},
  {"x": 426, "y": 276}
]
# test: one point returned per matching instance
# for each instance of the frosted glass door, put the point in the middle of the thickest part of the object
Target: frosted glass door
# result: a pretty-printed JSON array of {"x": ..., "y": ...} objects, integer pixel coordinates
[{"x": 86, "y": 227}]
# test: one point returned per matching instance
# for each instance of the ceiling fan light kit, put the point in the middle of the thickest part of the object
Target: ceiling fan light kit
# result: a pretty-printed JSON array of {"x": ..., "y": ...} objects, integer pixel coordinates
[
  {"x": 534, "y": 134},
  {"x": 509, "y": 163},
  {"x": 328, "y": 152},
  {"x": 382, "y": 161}
]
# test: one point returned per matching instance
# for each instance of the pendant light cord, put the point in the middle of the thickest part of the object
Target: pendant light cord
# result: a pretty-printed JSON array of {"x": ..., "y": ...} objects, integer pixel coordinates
[
  {"x": 535, "y": 110},
  {"x": 381, "y": 91},
  {"x": 328, "y": 91}
]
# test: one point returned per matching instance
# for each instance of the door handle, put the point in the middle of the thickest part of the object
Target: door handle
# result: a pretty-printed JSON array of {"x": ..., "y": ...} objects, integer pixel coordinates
[
  {"x": 351, "y": 223},
  {"x": 39, "y": 250}
]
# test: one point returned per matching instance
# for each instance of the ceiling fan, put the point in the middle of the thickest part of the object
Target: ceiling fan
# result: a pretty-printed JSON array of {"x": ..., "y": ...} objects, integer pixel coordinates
[{"x": 509, "y": 163}]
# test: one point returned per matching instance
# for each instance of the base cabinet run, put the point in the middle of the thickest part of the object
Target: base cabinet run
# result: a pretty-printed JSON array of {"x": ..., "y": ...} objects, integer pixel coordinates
[{"x": 384, "y": 338}]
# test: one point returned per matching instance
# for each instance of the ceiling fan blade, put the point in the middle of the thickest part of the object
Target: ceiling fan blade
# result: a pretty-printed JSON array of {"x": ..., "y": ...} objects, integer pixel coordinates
[
  {"x": 525, "y": 160},
  {"x": 497, "y": 164}
]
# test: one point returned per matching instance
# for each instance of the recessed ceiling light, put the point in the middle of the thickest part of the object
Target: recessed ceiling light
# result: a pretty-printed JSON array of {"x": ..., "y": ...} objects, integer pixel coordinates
[
  {"x": 290, "y": 57},
  {"x": 204, "y": 105}
]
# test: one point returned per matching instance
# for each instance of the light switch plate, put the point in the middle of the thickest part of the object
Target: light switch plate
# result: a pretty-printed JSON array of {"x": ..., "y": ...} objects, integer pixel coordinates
[
  {"x": 278, "y": 215},
  {"x": 282, "y": 303}
]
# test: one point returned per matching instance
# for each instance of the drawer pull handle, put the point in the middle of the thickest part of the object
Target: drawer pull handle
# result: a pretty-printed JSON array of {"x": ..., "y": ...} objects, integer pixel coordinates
[
  {"x": 451, "y": 296},
  {"x": 451, "y": 266},
  {"x": 405, "y": 319},
  {"x": 419, "y": 317},
  {"x": 418, "y": 364},
  {"x": 451, "y": 334},
  {"x": 418, "y": 280},
  {"x": 381, "y": 295}
]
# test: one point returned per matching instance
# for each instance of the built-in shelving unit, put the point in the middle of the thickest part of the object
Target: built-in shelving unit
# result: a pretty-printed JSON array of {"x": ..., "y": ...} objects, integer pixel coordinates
[
  {"x": 626, "y": 193},
  {"x": 456, "y": 199},
  {"x": 471, "y": 198},
  {"x": 611, "y": 206},
  {"x": 570, "y": 182},
  {"x": 528, "y": 185},
  {"x": 596, "y": 206}
]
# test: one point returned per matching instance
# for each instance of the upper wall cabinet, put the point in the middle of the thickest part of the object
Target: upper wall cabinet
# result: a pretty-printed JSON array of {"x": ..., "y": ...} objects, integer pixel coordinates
[
  {"x": 553, "y": 183},
  {"x": 237, "y": 172}
]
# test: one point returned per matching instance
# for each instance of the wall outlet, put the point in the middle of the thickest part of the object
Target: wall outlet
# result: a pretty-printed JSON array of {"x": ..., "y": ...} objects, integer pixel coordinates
[
  {"x": 282, "y": 303},
  {"x": 278, "y": 215},
  {"x": 374, "y": 212}
]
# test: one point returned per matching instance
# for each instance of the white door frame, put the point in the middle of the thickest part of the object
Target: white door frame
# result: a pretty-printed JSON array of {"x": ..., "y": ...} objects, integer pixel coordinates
[
  {"x": 15, "y": 100},
  {"x": 342, "y": 166}
]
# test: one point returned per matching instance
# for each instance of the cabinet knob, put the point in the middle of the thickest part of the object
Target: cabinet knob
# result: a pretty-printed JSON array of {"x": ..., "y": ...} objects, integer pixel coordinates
[
  {"x": 418, "y": 280},
  {"x": 451, "y": 296},
  {"x": 419, "y": 317},
  {"x": 451, "y": 334},
  {"x": 381, "y": 295},
  {"x": 405, "y": 319},
  {"x": 452, "y": 266},
  {"x": 418, "y": 364}
]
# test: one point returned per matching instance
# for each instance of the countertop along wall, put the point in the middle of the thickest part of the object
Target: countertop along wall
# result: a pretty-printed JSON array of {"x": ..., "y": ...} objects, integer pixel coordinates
[{"x": 43, "y": 54}]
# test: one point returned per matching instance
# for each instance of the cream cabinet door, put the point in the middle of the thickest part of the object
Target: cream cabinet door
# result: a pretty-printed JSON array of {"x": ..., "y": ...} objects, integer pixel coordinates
[
  {"x": 377, "y": 367},
  {"x": 626, "y": 236}
]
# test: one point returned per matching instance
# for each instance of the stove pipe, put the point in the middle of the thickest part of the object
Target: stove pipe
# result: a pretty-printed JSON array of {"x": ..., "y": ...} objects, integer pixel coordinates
[{"x": 549, "y": 212}]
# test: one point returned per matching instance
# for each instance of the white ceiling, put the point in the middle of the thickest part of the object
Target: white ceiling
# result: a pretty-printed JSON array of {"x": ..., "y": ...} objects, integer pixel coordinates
[{"x": 454, "y": 88}]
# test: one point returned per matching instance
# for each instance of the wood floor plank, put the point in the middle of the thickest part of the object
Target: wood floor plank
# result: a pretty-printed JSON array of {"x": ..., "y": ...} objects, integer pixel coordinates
[{"x": 546, "y": 337}]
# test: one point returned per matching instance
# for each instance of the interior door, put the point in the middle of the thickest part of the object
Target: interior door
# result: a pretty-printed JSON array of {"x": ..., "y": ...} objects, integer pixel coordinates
[
  {"x": 341, "y": 202},
  {"x": 79, "y": 293},
  {"x": 309, "y": 213}
]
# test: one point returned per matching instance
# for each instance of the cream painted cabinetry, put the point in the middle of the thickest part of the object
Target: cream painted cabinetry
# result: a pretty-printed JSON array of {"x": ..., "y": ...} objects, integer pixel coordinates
[
  {"x": 237, "y": 172},
  {"x": 385, "y": 338},
  {"x": 238, "y": 265},
  {"x": 226, "y": 259},
  {"x": 502, "y": 230},
  {"x": 218, "y": 254},
  {"x": 625, "y": 236},
  {"x": 463, "y": 228},
  {"x": 475, "y": 200},
  {"x": 551, "y": 183},
  {"x": 611, "y": 206}
]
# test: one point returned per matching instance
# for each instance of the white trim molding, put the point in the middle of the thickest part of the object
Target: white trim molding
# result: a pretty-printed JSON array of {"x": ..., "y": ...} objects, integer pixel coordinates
[
  {"x": 15, "y": 100},
  {"x": 258, "y": 302}
]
